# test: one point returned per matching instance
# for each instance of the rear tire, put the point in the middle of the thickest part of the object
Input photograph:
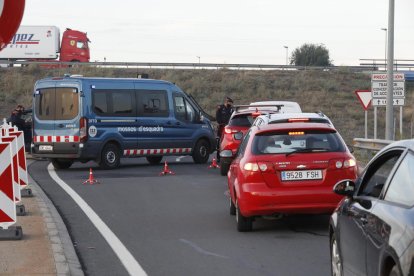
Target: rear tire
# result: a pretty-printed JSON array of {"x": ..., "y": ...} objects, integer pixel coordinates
[
  {"x": 232, "y": 207},
  {"x": 224, "y": 167},
  {"x": 244, "y": 224},
  {"x": 154, "y": 160},
  {"x": 201, "y": 152},
  {"x": 110, "y": 157},
  {"x": 61, "y": 164}
]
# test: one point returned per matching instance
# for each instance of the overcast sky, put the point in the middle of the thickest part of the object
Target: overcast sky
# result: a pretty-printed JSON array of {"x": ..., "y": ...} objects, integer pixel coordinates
[{"x": 229, "y": 31}]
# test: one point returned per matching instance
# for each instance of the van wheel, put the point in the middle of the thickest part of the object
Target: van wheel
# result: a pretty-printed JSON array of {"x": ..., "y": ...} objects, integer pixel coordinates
[
  {"x": 201, "y": 152},
  {"x": 154, "y": 160},
  {"x": 61, "y": 164},
  {"x": 110, "y": 157}
]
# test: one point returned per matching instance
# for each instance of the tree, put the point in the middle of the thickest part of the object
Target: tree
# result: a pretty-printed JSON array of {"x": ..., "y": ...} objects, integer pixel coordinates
[{"x": 311, "y": 55}]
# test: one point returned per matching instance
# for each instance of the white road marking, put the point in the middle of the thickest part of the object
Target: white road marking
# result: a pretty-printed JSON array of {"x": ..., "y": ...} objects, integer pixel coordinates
[
  {"x": 129, "y": 262},
  {"x": 179, "y": 158}
]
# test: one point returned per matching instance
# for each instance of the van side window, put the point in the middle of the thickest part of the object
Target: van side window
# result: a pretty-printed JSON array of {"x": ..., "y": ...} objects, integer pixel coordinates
[
  {"x": 183, "y": 109},
  {"x": 113, "y": 102},
  {"x": 152, "y": 103}
]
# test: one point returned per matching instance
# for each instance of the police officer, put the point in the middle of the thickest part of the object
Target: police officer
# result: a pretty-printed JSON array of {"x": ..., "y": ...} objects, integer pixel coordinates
[
  {"x": 223, "y": 114},
  {"x": 16, "y": 117}
]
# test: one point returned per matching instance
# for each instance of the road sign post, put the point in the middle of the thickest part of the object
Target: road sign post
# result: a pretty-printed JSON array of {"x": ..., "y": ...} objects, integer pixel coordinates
[
  {"x": 365, "y": 97},
  {"x": 379, "y": 87}
]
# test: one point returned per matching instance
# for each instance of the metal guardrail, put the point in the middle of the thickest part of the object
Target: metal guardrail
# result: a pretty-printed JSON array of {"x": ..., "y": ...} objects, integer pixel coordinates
[
  {"x": 194, "y": 65},
  {"x": 371, "y": 144}
]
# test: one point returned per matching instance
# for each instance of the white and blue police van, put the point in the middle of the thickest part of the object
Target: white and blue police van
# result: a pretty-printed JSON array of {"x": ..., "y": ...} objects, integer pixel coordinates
[{"x": 79, "y": 118}]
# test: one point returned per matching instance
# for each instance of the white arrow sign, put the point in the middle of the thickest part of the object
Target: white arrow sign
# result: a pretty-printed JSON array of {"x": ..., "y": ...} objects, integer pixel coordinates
[{"x": 383, "y": 102}]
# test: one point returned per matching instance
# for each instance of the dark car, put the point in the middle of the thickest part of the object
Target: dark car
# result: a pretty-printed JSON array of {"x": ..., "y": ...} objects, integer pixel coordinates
[{"x": 372, "y": 229}]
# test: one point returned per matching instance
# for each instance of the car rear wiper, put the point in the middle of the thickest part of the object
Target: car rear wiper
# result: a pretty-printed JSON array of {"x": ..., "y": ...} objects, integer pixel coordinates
[{"x": 306, "y": 150}]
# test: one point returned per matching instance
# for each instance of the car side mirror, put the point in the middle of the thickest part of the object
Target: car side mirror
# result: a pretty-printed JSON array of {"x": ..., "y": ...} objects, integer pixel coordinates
[
  {"x": 238, "y": 136},
  {"x": 350, "y": 148},
  {"x": 345, "y": 188}
]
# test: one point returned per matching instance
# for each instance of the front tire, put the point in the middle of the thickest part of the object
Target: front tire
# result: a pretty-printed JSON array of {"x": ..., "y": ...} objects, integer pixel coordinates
[
  {"x": 244, "y": 224},
  {"x": 61, "y": 164},
  {"x": 336, "y": 260},
  {"x": 201, "y": 152},
  {"x": 154, "y": 160},
  {"x": 110, "y": 157}
]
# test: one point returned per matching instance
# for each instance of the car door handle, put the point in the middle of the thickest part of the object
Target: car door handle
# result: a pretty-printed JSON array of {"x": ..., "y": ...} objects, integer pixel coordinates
[
  {"x": 177, "y": 123},
  {"x": 168, "y": 123}
]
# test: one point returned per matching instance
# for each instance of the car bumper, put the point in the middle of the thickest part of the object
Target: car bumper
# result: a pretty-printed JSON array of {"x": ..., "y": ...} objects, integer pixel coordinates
[{"x": 257, "y": 199}]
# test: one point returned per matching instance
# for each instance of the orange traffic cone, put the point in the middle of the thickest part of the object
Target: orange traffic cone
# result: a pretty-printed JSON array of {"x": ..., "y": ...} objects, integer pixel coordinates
[
  {"x": 91, "y": 180},
  {"x": 166, "y": 170},
  {"x": 214, "y": 164}
]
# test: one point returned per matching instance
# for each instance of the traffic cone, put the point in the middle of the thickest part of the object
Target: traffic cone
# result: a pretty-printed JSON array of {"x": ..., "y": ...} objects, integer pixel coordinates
[
  {"x": 214, "y": 164},
  {"x": 166, "y": 170},
  {"x": 91, "y": 180}
]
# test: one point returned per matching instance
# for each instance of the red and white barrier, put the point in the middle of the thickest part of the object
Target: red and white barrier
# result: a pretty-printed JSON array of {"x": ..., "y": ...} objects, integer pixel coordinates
[
  {"x": 7, "y": 197},
  {"x": 15, "y": 163},
  {"x": 21, "y": 155}
]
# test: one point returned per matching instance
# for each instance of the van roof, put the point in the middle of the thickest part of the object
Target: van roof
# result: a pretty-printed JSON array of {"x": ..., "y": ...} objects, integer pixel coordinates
[{"x": 80, "y": 77}]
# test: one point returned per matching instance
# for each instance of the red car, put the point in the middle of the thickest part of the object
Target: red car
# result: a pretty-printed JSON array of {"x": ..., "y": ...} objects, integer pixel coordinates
[
  {"x": 288, "y": 168},
  {"x": 240, "y": 122}
]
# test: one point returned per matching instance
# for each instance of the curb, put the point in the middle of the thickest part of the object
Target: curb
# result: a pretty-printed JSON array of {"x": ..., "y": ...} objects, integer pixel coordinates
[{"x": 66, "y": 260}]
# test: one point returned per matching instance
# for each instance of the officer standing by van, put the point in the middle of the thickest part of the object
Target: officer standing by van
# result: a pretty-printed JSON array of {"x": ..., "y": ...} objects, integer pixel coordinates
[{"x": 223, "y": 114}]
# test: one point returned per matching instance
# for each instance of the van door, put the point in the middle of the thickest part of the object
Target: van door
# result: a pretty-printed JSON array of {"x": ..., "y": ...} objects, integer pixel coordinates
[
  {"x": 185, "y": 124},
  {"x": 153, "y": 122},
  {"x": 57, "y": 119}
]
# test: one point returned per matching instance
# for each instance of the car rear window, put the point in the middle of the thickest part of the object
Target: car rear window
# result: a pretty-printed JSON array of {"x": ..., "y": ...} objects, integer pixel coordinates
[
  {"x": 242, "y": 120},
  {"x": 305, "y": 141},
  {"x": 57, "y": 103}
]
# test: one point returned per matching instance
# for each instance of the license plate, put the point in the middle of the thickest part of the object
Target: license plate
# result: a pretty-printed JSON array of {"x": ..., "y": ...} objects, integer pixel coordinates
[
  {"x": 46, "y": 148},
  {"x": 301, "y": 175}
]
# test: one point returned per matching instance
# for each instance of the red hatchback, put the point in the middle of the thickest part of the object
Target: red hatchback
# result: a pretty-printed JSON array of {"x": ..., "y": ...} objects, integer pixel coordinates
[{"x": 288, "y": 168}]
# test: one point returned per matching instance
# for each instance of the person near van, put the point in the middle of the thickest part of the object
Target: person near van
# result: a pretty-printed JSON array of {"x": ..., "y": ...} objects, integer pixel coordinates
[
  {"x": 16, "y": 117},
  {"x": 223, "y": 114}
]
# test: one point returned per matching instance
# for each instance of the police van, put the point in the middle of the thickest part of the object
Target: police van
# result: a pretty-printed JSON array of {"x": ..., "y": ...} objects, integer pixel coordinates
[{"x": 77, "y": 118}]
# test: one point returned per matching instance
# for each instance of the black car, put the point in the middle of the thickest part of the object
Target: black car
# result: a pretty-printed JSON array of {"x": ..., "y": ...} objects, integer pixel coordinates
[{"x": 372, "y": 229}]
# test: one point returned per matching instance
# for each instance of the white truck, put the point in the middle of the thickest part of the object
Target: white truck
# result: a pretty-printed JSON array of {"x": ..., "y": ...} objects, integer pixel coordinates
[{"x": 43, "y": 43}]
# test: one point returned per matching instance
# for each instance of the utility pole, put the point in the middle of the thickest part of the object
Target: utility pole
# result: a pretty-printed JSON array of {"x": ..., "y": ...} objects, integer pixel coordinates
[{"x": 389, "y": 114}]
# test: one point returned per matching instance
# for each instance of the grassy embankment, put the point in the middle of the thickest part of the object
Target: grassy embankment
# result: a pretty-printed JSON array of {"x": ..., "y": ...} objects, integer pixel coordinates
[{"x": 329, "y": 92}]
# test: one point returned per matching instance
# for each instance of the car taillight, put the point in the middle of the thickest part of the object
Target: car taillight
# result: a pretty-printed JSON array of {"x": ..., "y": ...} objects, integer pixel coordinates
[
  {"x": 259, "y": 166},
  {"x": 342, "y": 164},
  {"x": 230, "y": 131},
  {"x": 83, "y": 132},
  {"x": 292, "y": 120}
]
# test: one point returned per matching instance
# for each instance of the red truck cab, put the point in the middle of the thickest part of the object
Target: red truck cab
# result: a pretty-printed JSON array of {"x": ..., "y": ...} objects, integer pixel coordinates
[{"x": 74, "y": 47}]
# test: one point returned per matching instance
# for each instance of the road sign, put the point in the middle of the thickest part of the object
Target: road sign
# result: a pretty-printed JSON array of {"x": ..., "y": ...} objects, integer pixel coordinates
[
  {"x": 11, "y": 13},
  {"x": 365, "y": 97},
  {"x": 383, "y": 102},
  {"x": 379, "y": 89},
  {"x": 383, "y": 77}
]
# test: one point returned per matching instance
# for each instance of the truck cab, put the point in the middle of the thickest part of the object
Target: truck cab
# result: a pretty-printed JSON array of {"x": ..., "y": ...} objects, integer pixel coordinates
[{"x": 74, "y": 46}]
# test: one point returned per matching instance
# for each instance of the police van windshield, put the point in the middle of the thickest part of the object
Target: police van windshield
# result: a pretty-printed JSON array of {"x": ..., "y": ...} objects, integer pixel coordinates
[{"x": 56, "y": 103}]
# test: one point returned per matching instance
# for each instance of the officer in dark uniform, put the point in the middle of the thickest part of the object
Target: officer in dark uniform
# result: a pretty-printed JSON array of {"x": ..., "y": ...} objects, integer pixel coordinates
[
  {"x": 223, "y": 114},
  {"x": 16, "y": 117}
]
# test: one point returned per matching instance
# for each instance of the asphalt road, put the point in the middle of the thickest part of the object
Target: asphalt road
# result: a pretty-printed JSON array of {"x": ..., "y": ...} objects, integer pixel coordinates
[{"x": 179, "y": 224}]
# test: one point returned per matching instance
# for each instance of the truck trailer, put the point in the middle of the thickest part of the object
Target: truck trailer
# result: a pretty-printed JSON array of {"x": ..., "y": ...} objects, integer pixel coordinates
[{"x": 42, "y": 43}]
